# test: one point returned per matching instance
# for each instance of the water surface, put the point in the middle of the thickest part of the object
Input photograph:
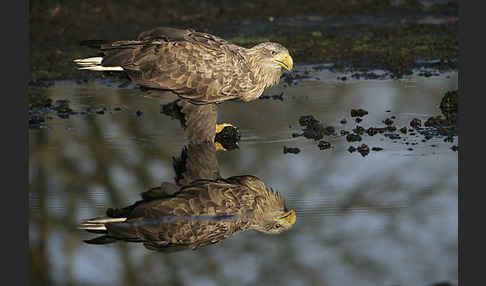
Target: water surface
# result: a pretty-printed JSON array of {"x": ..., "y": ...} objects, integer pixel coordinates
[{"x": 389, "y": 218}]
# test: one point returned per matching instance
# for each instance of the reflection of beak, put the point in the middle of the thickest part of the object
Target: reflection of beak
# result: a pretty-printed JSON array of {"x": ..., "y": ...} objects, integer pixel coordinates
[
  {"x": 288, "y": 218},
  {"x": 286, "y": 62}
]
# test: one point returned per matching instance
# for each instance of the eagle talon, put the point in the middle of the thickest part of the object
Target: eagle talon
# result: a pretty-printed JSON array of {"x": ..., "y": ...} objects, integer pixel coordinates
[
  {"x": 219, "y": 147},
  {"x": 227, "y": 137},
  {"x": 220, "y": 127}
]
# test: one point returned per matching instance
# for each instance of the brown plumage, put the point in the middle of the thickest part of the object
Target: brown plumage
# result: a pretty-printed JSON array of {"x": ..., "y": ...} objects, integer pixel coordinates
[
  {"x": 201, "y": 208},
  {"x": 196, "y": 66},
  {"x": 198, "y": 214}
]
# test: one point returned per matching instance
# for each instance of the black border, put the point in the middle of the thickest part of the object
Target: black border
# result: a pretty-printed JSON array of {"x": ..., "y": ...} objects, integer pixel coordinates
[
  {"x": 14, "y": 211},
  {"x": 16, "y": 73}
]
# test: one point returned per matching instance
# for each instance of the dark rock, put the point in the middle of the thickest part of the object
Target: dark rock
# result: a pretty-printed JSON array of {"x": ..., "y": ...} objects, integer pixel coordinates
[
  {"x": 372, "y": 131},
  {"x": 359, "y": 130},
  {"x": 358, "y": 112},
  {"x": 364, "y": 150},
  {"x": 416, "y": 123},
  {"x": 330, "y": 130},
  {"x": 376, "y": 149},
  {"x": 388, "y": 121},
  {"x": 353, "y": 138},
  {"x": 449, "y": 139},
  {"x": 393, "y": 136},
  {"x": 344, "y": 132},
  {"x": 391, "y": 128},
  {"x": 274, "y": 97},
  {"x": 307, "y": 120},
  {"x": 449, "y": 106},
  {"x": 292, "y": 150},
  {"x": 323, "y": 145},
  {"x": 403, "y": 130},
  {"x": 351, "y": 149}
]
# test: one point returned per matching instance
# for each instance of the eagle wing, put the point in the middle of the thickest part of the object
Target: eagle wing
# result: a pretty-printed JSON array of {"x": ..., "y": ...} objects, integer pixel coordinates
[
  {"x": 197, "y": 66},
  {"x": 208, "y": 211}
]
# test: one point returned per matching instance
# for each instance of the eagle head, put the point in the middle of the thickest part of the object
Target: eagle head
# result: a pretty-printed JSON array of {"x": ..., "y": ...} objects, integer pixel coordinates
[
  {"x": 274, "y": 56},
  {"x": 271, "y": 215}
]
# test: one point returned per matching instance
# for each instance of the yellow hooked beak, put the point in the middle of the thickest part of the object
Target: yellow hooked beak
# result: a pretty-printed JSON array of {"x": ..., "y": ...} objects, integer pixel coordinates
[
  {"x": 287, "y": 218},
  {"x": 286, "y": 62}
]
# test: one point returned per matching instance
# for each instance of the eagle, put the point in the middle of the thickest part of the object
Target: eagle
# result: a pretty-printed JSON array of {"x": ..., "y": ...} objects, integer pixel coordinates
[
  {"x": 201, "y": 208},
  {"x": 198, "y": 214},
  {"x": 197, "y": 66}
]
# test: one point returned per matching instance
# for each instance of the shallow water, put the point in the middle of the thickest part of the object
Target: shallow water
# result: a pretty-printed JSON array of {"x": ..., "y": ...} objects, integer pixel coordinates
[{"x": 389, "y": 218}]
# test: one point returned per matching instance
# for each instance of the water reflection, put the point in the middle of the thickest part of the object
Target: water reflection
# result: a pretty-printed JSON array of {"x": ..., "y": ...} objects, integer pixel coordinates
[
  {"x": 383, "y": 219},
  {"x": 200, "y": 209}
]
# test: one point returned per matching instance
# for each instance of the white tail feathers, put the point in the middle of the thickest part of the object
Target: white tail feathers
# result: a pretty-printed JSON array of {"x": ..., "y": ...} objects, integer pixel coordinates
[
  {"x": 99, "y": 223},
  {"x": 89, "y": 61},
  {"x": 94, "y": 64}
]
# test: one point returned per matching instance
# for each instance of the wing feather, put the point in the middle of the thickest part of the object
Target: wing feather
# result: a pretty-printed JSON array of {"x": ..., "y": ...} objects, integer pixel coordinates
[{"x": 197, "y": 66}]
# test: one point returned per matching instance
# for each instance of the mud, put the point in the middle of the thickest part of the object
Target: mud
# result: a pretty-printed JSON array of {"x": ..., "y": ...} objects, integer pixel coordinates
[
  {"x": 42, "y": 109},
  {"x": 357, "y": 36}
]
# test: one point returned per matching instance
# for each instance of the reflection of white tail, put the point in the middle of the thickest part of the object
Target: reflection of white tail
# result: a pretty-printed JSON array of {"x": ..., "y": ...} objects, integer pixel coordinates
[
  {"x": 98, "y": 223},
  {"x": 94, "y": 64}
]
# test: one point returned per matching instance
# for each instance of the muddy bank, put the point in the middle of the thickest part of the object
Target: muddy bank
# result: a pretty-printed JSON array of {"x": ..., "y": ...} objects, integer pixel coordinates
[{"x": 361, "y": 35}]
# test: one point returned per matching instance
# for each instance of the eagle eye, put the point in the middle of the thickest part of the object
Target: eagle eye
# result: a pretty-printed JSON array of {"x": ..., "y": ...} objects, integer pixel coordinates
[{"x": 274, "y": 53}]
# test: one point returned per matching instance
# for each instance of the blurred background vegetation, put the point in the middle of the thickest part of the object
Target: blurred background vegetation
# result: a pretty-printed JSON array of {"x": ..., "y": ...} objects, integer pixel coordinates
[{"x": 398, "y": 32}]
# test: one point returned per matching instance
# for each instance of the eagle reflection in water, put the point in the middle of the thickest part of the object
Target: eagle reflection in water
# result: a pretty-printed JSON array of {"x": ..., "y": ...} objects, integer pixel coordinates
[{"x": 201, "y": 208}]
